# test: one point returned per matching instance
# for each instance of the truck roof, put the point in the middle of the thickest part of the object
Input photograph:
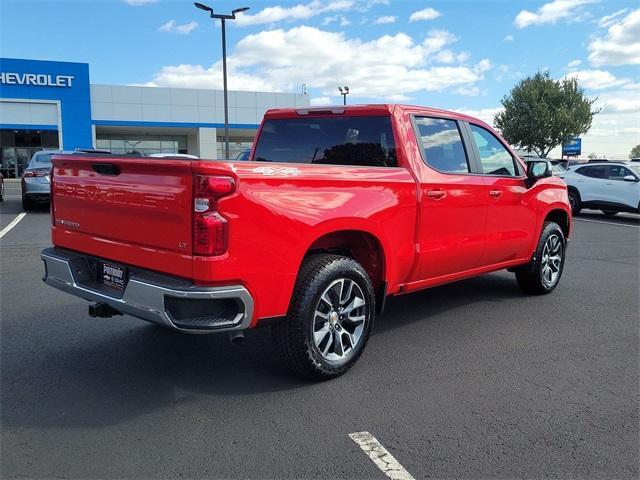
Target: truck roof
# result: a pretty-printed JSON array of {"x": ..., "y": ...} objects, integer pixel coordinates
[{"x": 365, "y": 109}]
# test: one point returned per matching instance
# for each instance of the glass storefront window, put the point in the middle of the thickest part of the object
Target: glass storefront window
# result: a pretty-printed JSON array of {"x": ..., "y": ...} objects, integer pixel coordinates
[
  {"x": 18, "y": 146},
  {"x": 126, "y": 144}
]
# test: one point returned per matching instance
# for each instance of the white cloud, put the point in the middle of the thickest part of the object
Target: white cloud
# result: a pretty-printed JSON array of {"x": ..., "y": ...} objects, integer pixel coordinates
[
  {"x": 597, "y": 79},
  {"x": 550, "y": 12},
  {"x": 296, "y": 12},
  {"x": 467, "y": 91},
  {"x": 139, "y": 3},
  {"x": 620, "y": 46},
  {"x": 622, "y": 101},
  {"x": 484, "y": 114},
  {"x": 424, "y": 14},
  {"x": 574, "y": 63},
  {"x": 279, "y": 60},
  {"x": 508, "y": 38},
  {"x": 172, "y": 27},
  {"x": 385, "y": 19},
  {"x": 321, "y": 101},
  {"x": 506, "y": 72},
  {"x": 340, "y": 19},
  {"x": 608, "y": 20}
]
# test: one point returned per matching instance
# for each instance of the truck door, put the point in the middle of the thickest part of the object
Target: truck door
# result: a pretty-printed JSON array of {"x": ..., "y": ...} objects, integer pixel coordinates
[
  {"x": 454, "y": 201},
  {"x": 510, "y": 218}
]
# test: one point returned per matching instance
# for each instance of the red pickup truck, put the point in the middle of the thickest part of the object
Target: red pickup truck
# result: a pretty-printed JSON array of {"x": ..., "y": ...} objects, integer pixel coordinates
[{"x": 337, "y": 209}]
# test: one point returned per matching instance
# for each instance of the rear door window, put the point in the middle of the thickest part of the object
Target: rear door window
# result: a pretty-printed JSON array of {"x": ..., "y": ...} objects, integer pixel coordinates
[
  {"x": 361, "y": 141},
  {"x": 594, "y": 172},
  {"x": 441, "y": 144}
]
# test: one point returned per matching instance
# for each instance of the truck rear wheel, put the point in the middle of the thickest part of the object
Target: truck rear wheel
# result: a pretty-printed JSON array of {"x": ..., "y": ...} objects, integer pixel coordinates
[
  {"x": 542, "y": 274},
  {"x": 329, "y": 319}
]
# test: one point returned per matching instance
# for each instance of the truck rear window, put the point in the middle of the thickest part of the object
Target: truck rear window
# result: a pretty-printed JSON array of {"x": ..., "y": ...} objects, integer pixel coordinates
[{"x": 363, "y": 141}]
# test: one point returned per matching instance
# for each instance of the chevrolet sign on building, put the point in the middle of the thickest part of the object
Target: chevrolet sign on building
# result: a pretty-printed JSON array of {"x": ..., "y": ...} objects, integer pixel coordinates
[
  {"x": 53, "y": 105},
  {"x": 35, "y": 79}
]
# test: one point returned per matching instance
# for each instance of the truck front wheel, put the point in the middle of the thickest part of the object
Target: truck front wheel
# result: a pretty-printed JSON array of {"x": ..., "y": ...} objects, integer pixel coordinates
[
  {"x": 542, "y": 274},
  {"x": 329, "y": 319}
]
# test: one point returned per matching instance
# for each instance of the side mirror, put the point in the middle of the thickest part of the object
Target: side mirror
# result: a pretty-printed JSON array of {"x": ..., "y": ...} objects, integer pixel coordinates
[
  {"x": 630, "y": 178},
  {"x": 538, "y": 169}
]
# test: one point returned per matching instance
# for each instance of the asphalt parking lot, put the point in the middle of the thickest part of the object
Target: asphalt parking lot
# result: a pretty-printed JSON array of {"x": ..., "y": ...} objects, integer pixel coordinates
[{"x": 471, "y": 380}]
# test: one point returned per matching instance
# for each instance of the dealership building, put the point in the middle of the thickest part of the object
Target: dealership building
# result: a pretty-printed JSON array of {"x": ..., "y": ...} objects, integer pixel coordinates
[{"x": 53, "y": 105}]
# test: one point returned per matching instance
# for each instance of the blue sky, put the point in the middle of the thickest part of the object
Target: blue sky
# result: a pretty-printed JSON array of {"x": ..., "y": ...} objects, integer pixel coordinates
[{"x": 459, "y": 55}]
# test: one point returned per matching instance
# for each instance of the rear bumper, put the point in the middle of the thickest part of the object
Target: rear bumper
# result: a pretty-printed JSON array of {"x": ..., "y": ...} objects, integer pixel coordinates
[
  {"x": 157, "y": 298},
  {"x": 36, "y": 187}
]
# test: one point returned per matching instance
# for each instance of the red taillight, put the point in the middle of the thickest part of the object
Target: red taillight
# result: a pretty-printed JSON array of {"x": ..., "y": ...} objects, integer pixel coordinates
[
  {"x": 52, "y": 190},
  {"x": 210, "y": 229}
]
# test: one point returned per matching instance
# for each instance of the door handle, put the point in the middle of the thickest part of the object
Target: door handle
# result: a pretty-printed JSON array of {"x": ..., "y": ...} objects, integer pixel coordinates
[
  {"x": 495, "y": 193},
  {"x": 436, "y": 194}
]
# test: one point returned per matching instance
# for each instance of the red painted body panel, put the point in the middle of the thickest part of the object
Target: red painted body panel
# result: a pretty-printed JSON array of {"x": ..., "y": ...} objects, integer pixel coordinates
[{"x": 143, "y": 215}]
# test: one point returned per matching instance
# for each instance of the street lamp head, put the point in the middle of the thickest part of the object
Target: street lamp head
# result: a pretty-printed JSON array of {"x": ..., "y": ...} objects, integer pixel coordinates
[
  {"x": 203, "y": 7},
  {"x": 239, "y": 10},
  {"x": 346, "y": 89},
  {"x": 340, "y": 88}
]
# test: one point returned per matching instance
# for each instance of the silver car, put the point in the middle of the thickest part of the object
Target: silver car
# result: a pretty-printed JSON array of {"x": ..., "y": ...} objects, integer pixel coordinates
[
  {"x": 36, "y": 178},
  {"x": 36, "y": 183}
]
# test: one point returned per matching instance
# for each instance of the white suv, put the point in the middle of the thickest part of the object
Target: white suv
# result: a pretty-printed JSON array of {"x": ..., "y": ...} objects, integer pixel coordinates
[{"x": 610, "y": 187}]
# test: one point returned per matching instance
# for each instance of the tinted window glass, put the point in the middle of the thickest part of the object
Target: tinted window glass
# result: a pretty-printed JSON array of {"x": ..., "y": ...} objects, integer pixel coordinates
[
  {"x": 594, "y": 172},
  {"x": 41, "y": 159},
  {"x": 494, "y": 157},
  {"x": 365, "y": 141},
  {"x": 442, "y": 144},
  {"x": 618, "y": 172}
]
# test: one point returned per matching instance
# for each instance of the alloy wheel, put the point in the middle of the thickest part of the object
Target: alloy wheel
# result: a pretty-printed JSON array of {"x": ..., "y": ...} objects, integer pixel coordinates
[
  {"x": 551, "y": 260},
  {"x": 339, "y": 319}
]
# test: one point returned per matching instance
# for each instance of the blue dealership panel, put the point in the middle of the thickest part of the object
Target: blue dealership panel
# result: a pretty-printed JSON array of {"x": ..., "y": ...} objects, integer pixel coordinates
[
  {"x": 572, "y": 147},
  {"x": 67, "y": 82}
]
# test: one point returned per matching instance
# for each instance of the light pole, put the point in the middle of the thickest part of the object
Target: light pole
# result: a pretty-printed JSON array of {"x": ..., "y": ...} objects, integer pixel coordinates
[
  {"x": 223, "y": 18},
  {"x": 344, "y": 91}
]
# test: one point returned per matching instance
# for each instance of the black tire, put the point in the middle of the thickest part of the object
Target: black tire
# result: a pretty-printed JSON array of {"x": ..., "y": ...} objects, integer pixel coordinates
[
  {"x": 27, "y": 205},
  {"x": 294, "y": 335},
  {"x": 575, "y": 201},
  {"x": 609, "y": 213},
  {"x": 531, "y": 277}
]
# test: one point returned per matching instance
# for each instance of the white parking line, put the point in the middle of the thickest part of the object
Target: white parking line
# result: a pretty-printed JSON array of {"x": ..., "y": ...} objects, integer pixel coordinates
[
  {"x": 13, "y": 223},
  {"x": 606, "y": 223},
  {"x": 380, "y": 456}
]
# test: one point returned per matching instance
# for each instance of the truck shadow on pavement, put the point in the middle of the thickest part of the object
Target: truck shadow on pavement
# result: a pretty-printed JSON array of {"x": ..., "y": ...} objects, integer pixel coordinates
[{"x": 98, "y": 374}]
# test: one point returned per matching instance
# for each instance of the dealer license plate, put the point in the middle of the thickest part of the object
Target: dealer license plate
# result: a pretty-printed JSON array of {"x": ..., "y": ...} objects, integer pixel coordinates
[{"x": 114, "y": 276}]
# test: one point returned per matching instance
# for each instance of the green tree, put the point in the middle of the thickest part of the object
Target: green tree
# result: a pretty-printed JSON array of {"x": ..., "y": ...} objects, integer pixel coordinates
[
  {"x": 541, "y": 113},
  {"x": 635, "y": 152}
]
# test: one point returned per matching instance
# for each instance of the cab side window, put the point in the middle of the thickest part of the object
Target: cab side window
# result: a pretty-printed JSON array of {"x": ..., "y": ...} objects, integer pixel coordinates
[{"x": 495, "y": 159}]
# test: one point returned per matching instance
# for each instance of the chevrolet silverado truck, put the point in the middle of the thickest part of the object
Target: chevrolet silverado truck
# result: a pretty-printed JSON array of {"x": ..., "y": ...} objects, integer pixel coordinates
[{"x": 336, "y": 209}]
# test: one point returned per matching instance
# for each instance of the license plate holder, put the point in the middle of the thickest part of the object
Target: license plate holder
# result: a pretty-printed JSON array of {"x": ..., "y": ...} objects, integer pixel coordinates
[{"x": 113, "y": 276}]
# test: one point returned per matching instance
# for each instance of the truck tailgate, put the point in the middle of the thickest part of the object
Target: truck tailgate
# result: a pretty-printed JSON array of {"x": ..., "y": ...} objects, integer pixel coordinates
[{"x": 102, "y": 204}]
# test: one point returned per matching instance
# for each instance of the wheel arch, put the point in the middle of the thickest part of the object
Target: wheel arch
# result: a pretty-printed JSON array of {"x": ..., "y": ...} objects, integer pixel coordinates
[
  {"x": 562, "y": 218},
  {"x": 360, "y": 245}
]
